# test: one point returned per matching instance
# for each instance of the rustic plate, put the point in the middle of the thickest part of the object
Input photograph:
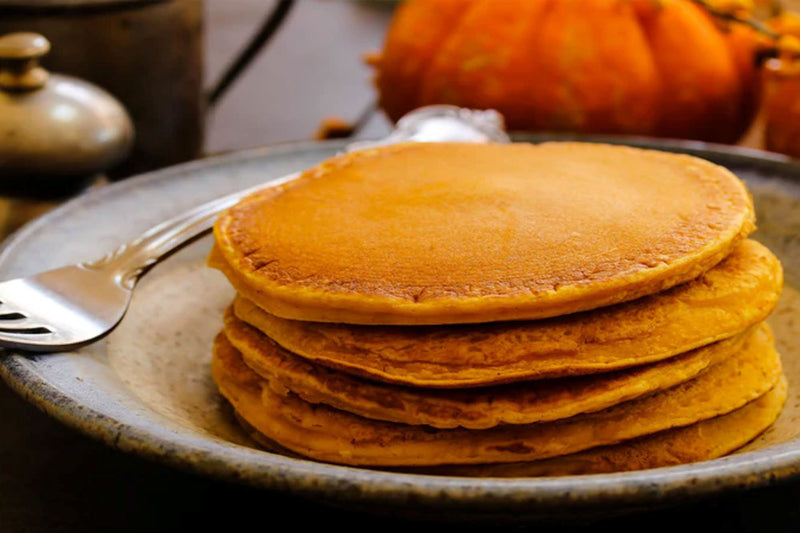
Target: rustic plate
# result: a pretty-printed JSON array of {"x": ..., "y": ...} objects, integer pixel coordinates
[{"x": 146, "y": 389}]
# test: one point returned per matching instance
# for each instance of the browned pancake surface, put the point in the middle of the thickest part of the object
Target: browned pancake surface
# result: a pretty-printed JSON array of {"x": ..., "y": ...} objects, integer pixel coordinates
[
  {"x": 701, "y": 441},
  {"x": 740, "y": 291},
  {"x": 429, "y": 233},
  {"x": 327, "y": 434},
  {"x": 521, "y": 403}
]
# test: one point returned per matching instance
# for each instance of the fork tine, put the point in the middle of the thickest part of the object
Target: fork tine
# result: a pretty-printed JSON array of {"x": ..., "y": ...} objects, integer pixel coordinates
[
  {"x": 8, "y": 311},
  {"x": 9, "y": 317},
  {"x": 18, "y": 322},
  {"x": 23, "y": 341},
  {"x": 23, "y": 326}
]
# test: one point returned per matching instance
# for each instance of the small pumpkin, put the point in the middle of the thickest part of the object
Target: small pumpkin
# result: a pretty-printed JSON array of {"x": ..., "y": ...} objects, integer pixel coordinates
[{"x": 650, "y": 67}]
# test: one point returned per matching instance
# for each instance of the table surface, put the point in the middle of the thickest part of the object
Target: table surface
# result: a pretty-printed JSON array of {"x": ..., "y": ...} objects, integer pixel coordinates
[{"x": 54, "y": 479}]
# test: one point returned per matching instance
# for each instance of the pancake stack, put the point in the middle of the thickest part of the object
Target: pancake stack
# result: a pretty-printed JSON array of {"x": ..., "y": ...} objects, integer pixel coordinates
[{"x": 500, "y": 310}]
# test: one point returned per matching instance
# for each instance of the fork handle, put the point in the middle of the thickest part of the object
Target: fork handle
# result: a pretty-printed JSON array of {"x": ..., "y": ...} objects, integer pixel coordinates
[
  {"x": 132, "y": 259},
  {"x": 427, "y": 124}
]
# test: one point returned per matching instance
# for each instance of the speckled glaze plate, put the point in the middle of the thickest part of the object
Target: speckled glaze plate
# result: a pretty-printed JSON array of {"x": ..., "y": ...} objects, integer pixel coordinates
[{"x": 146, "y": 389}]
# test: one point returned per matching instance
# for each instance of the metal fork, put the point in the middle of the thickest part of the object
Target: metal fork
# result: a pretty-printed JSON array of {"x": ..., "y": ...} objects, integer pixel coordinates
[{"x": 75, "y": 305}]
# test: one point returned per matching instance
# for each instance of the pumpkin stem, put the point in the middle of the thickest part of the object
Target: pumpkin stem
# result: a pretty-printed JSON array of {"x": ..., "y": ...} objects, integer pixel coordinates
[{"x": 731, "y": 14}]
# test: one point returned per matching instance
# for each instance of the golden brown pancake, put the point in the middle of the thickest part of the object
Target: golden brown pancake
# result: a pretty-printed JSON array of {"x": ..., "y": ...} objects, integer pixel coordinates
[
  {"x": 435, "y": 233},
  {"x": 520, "y": 403},
  {"x": 740, "y": 291},
  {"x": 326, "y": 434},
  {"x": 701, "y": 441}
]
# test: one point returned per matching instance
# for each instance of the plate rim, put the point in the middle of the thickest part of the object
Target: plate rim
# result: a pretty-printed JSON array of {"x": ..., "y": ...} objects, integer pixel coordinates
[{"x": 353, "y": 485}]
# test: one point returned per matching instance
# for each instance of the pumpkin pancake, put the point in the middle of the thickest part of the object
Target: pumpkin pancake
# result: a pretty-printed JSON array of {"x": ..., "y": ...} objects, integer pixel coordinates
[
  {"x": 701, "y": 441},
  {"x": 740, "y": 291},
  {"x": 519, "y": 403},
  {"x": 437, "y": 233},
  {"x": 327, "y": 434}
]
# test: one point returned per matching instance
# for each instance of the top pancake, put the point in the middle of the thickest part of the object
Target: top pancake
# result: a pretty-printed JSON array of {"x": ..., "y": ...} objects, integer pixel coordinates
[{"x": 438, "y": 233}]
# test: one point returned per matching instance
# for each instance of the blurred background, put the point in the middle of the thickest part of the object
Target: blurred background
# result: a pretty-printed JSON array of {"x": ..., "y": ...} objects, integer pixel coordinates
[
  {"x": 312, "y": 69},
  {"x": 319, "y": 57},
  {"x": 201, "y": 77}
]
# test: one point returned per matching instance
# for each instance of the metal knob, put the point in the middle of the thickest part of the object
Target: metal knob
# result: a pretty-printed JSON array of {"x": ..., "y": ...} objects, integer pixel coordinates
[{"x": 19, "y": 61}]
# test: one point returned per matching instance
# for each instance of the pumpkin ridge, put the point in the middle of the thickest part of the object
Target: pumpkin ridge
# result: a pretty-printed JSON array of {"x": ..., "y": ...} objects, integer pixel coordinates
[
  {"x": 694, "y": 99},
  {"x": 431, "y": 60},
  {"x": 404, "y": 89},
  {"x": 427, "y": 91}
]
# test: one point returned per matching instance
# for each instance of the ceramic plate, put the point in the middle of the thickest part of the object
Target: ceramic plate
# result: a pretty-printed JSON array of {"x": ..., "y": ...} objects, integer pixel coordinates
[{"x": 146, "y": 388}]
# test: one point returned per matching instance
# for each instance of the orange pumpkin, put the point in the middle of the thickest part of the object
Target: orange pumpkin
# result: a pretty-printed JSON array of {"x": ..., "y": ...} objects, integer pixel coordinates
[{"x": 652, "y": 67}]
